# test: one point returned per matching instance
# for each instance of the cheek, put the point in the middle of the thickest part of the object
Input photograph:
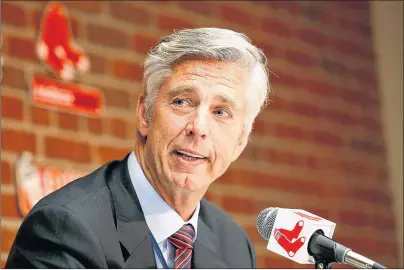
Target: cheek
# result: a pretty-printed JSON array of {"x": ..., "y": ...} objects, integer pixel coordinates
[
  {"x": 225, "y": 143},
  {"x": 167, "y": 127}
]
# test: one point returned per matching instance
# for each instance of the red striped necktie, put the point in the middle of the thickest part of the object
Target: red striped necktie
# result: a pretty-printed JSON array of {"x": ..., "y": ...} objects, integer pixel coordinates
[{"x": 183, "y": 241}]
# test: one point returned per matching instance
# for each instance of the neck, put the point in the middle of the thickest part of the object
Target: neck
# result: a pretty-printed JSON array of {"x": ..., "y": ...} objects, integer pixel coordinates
[{"x": 184, "y": 202}]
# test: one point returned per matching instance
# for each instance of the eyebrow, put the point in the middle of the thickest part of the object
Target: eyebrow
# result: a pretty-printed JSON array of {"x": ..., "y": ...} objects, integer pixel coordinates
[
  {"x": 186, "y": 89},
  {"x": 182, "y": 89}
]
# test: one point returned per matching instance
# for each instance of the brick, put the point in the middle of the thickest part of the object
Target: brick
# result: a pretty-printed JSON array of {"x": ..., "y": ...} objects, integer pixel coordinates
[
  {"x": 94, "y": 125},
  {"x": 269, "y": 50},
  {"x": 292, "y": 159},
  {"x": 78, "y": 151},
  {"x": 118, "y": 128},
  {"x": 259, "y": 126},
  {"x": 116, "y": 98},
  {"x": 285, "y": 79},
  {"x": 12, "y": 108},
  {"x": 290, "y": 131},
  {"x": 7, "y": 239},
  {"x": 354, "y": 97},
  {"x": 289, "y": 6},
  {"x": 169, "y": 23},
  {"x": 372, "y": 196},
  {"x": 362, "y": 244},
  {"x": 305, "y": 109},
  {"x": 107, "y": 36},
  {"x": 327, "y": 138},
  {"x": 68, "y": 121},
  {"x": 76, "y": 27},
  {"x": 318, "y": 87},
  {"x": 312, "y": 37},
  {"x": 356, "y": 218},
  {"x": 204, "y": 8},
  {"x": 107, "y": 153},
  {"x": 235, "y": 15},
  {"x": 370, "y": 123},
  {"x": 333, "y": 67},
  {"x": 127, "y": 12},
  {"x": 277, "y": 28},
  {"x": 18, "y": 141},
  {"x": 238, "y": 205},
  {"x": 362, "y": 29},
  {"x": 366, "y": 146},
  {"x": 211, "y": 197},
  {"x": 349, "y": 48},
  {"x": 126, "y": 70},
  {"x": 40, "y": 116},
  {"x": 85, "y": 6},
  {"x": 356, "y": 168},
  {"x": 143, "y": 43},
  {"x": 14, "y": 78},
  {"x": 6, "y": 173},
  {"x": 384, "y": 221},
  {"x": 253, "y": 233},
  {"x": 354, "y": 5},
  {"x": 279, "y": 104},
  {"x": 12, "y": 14},
  {"x": 275, "y": 182},
  {"x": 9, "y": 206},
  {"x": 22, "y": 48},
  {"x": 313, "y": 13},
  {"x": 131, "y": 130},
  {"x": 365, "y": 76},
  {"x": 339, "y": 117},
  {"x": 99, "y": 64},
  {"x": 299, "y": 58}
]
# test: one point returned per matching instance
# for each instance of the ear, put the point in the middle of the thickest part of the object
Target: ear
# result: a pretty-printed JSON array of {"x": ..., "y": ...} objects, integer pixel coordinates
[
  {"x": 240, "y": 147},
  {"x": 141, "y": 116}
]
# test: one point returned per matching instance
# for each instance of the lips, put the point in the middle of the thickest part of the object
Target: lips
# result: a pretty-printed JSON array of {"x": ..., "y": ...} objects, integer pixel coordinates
[{"x": 189, "y": 154}]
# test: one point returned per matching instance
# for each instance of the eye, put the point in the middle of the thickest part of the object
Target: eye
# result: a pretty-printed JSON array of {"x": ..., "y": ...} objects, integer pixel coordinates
[
  {"x": 180, "y": 102},
  {"x": 222, "y": 113}
]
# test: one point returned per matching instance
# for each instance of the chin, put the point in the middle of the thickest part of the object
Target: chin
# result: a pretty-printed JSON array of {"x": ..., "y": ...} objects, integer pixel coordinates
[{"x": 188, "y": 181}]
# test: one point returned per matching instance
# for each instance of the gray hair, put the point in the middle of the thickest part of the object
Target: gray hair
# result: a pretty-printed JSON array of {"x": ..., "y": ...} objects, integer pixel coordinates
[{"x": 212, "y": 44}]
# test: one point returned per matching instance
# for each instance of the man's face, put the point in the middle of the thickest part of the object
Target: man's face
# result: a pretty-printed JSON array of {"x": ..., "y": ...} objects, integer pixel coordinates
[{"x": 196, "y": 129}]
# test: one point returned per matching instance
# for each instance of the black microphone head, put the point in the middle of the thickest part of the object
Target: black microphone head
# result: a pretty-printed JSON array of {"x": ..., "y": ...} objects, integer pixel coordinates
[{"x": 266, "y": 221}]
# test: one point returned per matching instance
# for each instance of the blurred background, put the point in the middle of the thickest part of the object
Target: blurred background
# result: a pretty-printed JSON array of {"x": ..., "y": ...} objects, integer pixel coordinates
[{"x": 329, "y": 142}]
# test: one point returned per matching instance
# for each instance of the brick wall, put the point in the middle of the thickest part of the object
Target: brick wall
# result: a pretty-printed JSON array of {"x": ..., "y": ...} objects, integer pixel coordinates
[{"x": 317, "y": 146}]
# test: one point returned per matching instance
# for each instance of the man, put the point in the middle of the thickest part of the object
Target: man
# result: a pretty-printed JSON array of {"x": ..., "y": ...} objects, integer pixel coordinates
[{"x": 203, "y": 89}]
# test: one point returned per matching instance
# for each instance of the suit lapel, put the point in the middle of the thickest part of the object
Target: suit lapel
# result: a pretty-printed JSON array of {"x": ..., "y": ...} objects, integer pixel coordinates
[
  {"x": 132, "y": 229},
  {"x": 206, "y": 253}
]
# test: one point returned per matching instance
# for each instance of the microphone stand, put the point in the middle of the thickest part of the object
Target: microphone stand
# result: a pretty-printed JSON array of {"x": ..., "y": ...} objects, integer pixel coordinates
[{"x": 322, "y": 264}]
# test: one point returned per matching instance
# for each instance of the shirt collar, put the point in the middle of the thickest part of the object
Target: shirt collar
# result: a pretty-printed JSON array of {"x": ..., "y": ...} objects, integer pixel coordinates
[{"x": 162, "y": 220}]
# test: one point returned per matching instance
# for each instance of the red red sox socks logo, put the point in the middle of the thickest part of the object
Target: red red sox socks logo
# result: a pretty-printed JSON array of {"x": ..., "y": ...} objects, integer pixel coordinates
[
  {"x": 55, "y": 45},
  {"x": 289, "y": 240}
]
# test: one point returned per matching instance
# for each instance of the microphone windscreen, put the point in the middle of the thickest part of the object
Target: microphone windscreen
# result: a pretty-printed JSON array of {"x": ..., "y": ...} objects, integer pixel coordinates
[{"x": 266, "y": 221}]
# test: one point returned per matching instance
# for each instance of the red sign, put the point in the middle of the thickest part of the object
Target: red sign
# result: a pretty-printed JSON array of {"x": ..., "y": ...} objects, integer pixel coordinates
[
  {"x": 307, "y": 216},
  {"x": 69, "y": 97},
  {"x": 55, "y": 45},
  {"x": 289, "y": 240},
  {"x": 33, "y": 182}
]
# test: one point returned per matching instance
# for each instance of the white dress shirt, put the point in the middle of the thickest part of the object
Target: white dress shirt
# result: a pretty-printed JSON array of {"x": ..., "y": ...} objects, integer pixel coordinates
[{"x": 161, "y": 219}]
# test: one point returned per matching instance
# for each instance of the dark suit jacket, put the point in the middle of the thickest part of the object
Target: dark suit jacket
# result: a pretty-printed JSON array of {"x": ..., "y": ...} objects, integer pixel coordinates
[{"x": 97, "y": 222}]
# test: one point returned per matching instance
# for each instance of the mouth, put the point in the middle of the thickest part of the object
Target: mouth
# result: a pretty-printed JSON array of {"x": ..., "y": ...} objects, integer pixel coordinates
[{"x": 189, "y": 156}]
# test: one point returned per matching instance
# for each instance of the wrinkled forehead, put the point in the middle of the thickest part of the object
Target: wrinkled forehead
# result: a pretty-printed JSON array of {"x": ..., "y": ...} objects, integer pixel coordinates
[
  {"x": 226, "y": 80},
  {"x": 211, "y": 73}
]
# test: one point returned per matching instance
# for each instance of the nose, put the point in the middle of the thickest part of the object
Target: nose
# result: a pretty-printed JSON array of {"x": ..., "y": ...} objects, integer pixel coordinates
[{"x": 198, "y": 125}]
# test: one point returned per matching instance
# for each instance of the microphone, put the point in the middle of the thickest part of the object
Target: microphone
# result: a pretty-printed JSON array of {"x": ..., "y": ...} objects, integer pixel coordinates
[{"x": 306, "y": 239}]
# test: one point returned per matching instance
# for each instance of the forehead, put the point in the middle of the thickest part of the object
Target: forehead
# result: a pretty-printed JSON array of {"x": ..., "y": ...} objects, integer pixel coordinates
[
  {"x": 209, "y": 69},
  {"x": 210, "y": 77}
]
